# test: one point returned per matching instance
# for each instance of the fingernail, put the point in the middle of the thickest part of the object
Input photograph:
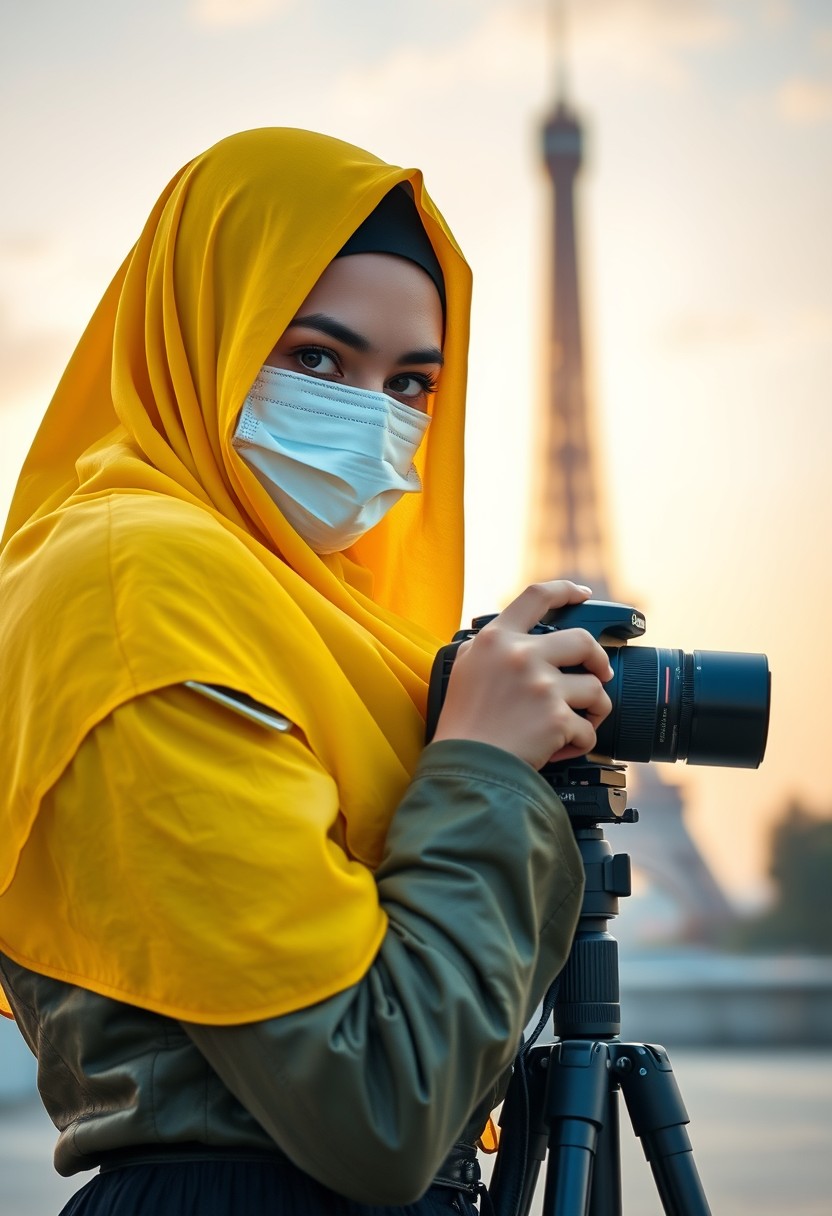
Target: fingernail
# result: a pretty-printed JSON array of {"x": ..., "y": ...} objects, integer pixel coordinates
[
  {"x": 610, "y": 673},
  {"x": 581, "y": 587}
]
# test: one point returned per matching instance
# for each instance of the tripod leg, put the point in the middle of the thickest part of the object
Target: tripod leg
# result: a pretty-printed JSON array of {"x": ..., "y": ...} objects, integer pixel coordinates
[
  {"x": 658, "y": 1116},
  {"x": 577, "y": 1104},
  {"x": 523, "y": 1137},
  {"x": 605, "y": 1199}
]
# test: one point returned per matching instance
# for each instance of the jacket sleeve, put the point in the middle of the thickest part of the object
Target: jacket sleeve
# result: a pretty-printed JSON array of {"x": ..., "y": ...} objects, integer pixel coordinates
[{"x": 481, "y": 882}]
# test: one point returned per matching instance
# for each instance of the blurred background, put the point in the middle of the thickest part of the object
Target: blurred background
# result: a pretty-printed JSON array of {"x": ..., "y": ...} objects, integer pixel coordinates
[{"x": 700, "y": 192}]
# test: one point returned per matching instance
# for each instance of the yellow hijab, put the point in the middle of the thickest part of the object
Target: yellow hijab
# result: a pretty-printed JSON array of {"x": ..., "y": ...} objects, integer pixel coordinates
[{"x": 140, "y": 551}]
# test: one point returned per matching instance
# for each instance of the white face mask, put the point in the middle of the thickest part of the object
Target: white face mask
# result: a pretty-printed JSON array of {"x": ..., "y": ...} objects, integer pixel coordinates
[{"x": 333, "y": 458}]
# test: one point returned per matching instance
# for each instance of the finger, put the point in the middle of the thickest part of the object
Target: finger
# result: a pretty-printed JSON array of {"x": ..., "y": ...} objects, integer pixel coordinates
[
  {"x": 527, "y": 609},
  {"x": 569, "y": 753},
  {"x": 574, "y": 648},
  {"x": 580, "y": 739},
  {"x": 585, "y": 692}
]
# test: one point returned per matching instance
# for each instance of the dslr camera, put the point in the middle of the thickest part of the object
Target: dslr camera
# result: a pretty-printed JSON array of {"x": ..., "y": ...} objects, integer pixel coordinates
[{"x": 709, "y": 707}]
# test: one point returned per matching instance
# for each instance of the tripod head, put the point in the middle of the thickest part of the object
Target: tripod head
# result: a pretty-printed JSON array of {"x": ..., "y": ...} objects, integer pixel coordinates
[{"x": 592, "y": 791}]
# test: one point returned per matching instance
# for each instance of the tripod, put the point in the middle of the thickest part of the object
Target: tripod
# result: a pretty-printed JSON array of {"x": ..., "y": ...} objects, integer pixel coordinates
[{"x": 563, "y": 1098}]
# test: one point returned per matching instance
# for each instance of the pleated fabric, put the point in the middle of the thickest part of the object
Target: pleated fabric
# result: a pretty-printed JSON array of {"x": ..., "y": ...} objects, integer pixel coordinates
[{"x": 236, "y": 1187}]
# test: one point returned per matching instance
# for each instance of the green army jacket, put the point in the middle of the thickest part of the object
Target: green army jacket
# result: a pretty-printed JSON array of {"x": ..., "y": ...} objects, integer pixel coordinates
[{"x": 366, "y": 1091}]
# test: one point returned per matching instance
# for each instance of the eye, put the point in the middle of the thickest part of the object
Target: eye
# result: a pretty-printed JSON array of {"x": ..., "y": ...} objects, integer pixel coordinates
[
  {"x": 411, "y": 386},
  {"x": 316, "y": 359}
]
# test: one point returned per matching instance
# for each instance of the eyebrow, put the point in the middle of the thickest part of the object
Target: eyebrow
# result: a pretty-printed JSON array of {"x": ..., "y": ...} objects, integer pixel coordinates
[
  {"x": 342, "y": 333},
  {"x": 430, "y": 354}
]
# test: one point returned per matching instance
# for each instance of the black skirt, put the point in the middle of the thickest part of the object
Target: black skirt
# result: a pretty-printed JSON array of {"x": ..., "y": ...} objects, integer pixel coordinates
[{"x": 233, "y": 1184}]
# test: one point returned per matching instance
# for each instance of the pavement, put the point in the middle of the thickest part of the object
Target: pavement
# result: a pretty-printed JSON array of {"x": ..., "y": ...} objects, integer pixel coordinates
[{"x": 761, "y": 1127}]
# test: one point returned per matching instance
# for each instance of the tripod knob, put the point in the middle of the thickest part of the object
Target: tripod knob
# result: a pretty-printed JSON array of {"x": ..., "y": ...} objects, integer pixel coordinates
[{"x": 616, "y": 874}]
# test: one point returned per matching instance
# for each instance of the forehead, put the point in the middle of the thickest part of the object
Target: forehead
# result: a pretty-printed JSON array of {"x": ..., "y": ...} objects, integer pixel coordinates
[{"x": 378, "y": 293}]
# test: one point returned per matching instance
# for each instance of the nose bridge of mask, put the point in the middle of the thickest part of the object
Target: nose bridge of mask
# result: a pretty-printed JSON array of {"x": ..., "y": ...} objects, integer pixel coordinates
[{"x": 301, "y": 410}]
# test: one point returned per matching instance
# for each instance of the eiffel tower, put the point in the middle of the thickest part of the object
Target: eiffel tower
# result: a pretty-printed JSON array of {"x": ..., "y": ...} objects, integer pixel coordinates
[{"x": 567, "y": 534}]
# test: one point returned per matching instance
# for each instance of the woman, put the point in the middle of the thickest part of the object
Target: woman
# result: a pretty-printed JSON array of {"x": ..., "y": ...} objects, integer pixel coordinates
[{"x": 271, "y": 952}]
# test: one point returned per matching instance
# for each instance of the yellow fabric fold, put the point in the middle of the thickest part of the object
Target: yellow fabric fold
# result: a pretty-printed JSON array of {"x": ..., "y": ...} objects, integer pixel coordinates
[
  {"x": 203, "y": 775},
  {"x": 140, "y": 551}
]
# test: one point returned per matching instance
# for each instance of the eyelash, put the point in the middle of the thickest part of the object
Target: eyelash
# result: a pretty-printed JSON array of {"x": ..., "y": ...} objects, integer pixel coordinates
[{"x": 429, "y": 383}]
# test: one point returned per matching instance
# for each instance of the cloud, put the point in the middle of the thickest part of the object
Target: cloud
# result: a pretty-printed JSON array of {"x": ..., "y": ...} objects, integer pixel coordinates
[
  {"x": 31, "y": 359},
  {"x": 804, "y": 101},
  {"x": 638, "y": 39},
  {"x": 496, "y": 49},
  {"x": 777, "y": 14},
  {"x": 813, "y": 325},
  {"x": 685, "y": 23},
  {"x": 221, "y": 14},
  {"x": 32, "y": 364},
  {"x": 25, "y": 250},
  {"x": 641, "y": 39},
  {"x": 822, "y": 40},
  {"x": 647, "y": 39},
  {"x": 697, "y": 331}
]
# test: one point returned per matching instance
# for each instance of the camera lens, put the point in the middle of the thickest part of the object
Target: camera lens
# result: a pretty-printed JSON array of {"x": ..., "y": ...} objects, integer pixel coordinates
[{"x": 709, "y": 707}]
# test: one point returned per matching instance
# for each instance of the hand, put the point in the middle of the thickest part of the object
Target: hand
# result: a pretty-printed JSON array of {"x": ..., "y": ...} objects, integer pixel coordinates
[{"x": 507, "y": 686}]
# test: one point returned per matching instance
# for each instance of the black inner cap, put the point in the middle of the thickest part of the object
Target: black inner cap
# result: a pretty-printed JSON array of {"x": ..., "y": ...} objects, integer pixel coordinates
[{"x": 395, "y": 226}]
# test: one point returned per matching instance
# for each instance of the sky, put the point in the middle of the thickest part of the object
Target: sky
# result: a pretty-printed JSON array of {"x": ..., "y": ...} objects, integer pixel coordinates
[{"x": 706, "y": 265}]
